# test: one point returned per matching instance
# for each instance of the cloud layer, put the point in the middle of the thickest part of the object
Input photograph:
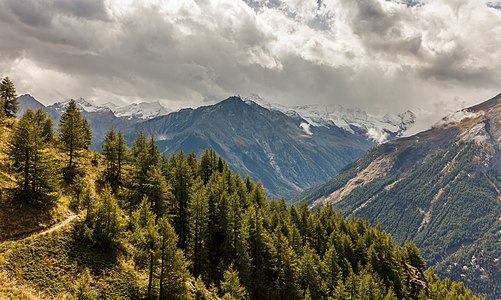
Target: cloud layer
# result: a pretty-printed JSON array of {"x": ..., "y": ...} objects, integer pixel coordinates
[{"x": 432, "y": 56}]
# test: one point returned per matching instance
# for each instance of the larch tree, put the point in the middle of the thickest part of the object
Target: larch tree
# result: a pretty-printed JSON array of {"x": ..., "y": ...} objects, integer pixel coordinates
[
  {"x": 198, "y": 211},
  {"x": 114, "y": 151},
  {"x": 74, "y": 132},
  {"x": 8, "y": 93},
  {"x": 146, "y": 238},
  {"x": 27, "y": 148},
  {"x": 173, "y": 271}
]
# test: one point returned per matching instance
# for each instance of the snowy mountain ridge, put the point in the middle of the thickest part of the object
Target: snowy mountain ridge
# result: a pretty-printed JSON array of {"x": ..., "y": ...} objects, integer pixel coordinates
[
  {"x": 142, "y": 110},
  {"x": 377, "y": 128}
]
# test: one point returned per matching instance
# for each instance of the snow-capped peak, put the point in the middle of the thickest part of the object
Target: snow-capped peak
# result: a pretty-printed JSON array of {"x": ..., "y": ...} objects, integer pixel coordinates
[
  {"x": 142, "y": 110},
  {"x": 83, "y": 105},
  {"x": 378, "y": 128}
]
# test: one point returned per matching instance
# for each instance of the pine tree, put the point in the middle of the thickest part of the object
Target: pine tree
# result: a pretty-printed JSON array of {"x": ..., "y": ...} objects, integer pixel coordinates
[
  {"x": 110, "y": 153},
  {"x": 74, "y": 132},
  {"x": 158, "y": 191},
  {"x": 114, "y": 151},
  {"x": 121, "y": 154},
  {"x": 139, "y": 145},
  {"x": 8, "y": 93},
  {"x": 31, "y": 136},
  {"x": 108, "y": 219},
  {"x": 180, "y": 179},
  {"x": 146, "y": 238},
  {"x": 173, "y": 272},
  {"x": 231, "y": 289},
  {"x": 198, "y": 210}
]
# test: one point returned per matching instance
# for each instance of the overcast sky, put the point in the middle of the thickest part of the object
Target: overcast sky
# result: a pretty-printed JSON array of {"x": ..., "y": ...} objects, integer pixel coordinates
[{"x": 431, "y": 56}]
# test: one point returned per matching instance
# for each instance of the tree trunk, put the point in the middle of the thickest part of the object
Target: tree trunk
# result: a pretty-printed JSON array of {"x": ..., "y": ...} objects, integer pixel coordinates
[
  {"x": 162, "y": 275},
  {"x": 150, "y": 280},
  {"x": 26, "y": 170}
]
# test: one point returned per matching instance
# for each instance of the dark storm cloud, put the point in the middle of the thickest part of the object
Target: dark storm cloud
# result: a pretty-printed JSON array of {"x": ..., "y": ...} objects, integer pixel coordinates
[
  {"x": 452, "y": 66},
  {"x": 377, "y": 54},
  {"x": 381, "y": 31}
]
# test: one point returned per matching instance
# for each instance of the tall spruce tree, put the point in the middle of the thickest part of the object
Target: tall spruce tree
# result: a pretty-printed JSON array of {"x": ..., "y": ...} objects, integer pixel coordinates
[
  {"x": 74, "y": 132},
  {"x": 8, "y": 93},
  {"x": 198, "y": 210},
  {"x": 32, "y": 134},
  {"x": 173, "y": 271},
  {"x": 146, "y": 238},
  {"x": 108, "y": 219},
  {"x": 114, "y": 151}
]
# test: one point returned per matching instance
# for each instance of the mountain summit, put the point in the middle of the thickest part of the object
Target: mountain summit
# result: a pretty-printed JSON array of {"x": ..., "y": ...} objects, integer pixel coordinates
[
  {"x": 440, "y": 188},
  {"x": 287, "y": 151}
]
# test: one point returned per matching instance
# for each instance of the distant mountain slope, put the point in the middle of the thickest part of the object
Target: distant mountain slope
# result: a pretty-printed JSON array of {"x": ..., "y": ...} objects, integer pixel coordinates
[
  {"x": 440, "y": 188},
  {"x": 27, "y": 101},
  {"x": 278, "y": 147},
  {"x": 378, "y": 128},
  {"x": 266, "y": 144},
  {"x": 143, "y": 110}
]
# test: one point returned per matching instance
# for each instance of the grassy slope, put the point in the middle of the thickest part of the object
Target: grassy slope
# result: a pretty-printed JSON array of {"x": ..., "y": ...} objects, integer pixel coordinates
[
  {"x": 53, "y": 264},
  {"x": 42, "y": 267}
]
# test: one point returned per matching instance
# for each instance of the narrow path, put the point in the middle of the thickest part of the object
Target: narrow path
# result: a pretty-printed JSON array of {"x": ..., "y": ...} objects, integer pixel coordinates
[
  {"x": 43, "y": 232},
  {"x": 52, "y": 228}
]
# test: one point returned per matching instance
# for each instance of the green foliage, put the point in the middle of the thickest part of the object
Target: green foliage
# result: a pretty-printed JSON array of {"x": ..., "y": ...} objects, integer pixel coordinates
[
  {"x": 9, "y": 96},
  {"x": 114, "y": 151},
  {"x": 190, "y": 219},
  {"x": 231, "y": 289},
  {"x": 2, "y": 109},
  {"x": 74, "y": 134},
  {"x": 105, "y": 218},
  {"x": 32, "y": 163}
]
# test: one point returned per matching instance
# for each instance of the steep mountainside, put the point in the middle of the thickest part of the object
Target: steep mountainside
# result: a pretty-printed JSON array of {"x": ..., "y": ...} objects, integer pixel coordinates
[
  {"x": 101, "y": 118},
  {"x": 440, "y": 188},
  {"x": 378, "y": 128},
  {"x": 279, "y": 147},
  {"x": 274, "y": 148}
]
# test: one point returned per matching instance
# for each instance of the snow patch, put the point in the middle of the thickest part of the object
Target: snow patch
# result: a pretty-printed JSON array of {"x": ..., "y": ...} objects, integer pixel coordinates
[
  {"x": 306, "y": 128},
  {"x": 142, "y": 110},
  {"x": 377, "y": 128},
  {"x": 377, "y": 136},
  {"x": 457, "y": 117}
]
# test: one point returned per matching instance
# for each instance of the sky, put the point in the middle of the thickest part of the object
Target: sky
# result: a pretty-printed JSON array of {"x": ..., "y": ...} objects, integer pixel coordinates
[{"x": 383, "y": 56}]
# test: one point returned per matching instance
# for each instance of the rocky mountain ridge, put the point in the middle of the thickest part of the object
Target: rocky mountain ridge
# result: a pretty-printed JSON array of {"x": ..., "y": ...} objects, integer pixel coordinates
[{"x": 439, "y": 188}]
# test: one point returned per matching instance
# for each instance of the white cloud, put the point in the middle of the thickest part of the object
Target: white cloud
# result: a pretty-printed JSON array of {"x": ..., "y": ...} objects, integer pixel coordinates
[{"x": 384, "y": 56}]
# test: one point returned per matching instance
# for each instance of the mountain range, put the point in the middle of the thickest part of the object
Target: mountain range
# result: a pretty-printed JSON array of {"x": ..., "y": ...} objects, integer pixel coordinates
[
  {"x": 287, "y": 149},
  {"x": 439, "y": 188}
]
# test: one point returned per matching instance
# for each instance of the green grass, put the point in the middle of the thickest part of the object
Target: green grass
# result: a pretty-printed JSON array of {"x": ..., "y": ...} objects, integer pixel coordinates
[{"x": 53, "y": 264}]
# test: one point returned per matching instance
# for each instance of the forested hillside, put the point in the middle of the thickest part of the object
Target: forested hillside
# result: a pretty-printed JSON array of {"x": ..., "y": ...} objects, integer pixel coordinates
[
  {"x": 149, "y": 226},
  {"x": 440, "y": 189}
]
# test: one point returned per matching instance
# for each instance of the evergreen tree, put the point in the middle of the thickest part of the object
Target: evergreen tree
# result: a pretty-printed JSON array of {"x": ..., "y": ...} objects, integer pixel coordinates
[
  {"x": 108, "y": 219},
  {"x": 173, "y": 272},
  {"x": 114, "y": 151},
  {"x": 8, "y": 94},
  {"x": 32, "y": 134},
  {"x": 110, "y": 153},
  {"x": 146, "y": 238},
  {"x": 158, "y": 191},
  {"x": 198, "y": 210},
  {"x": 231, "y": 289},
  {"x": 74, "y": 132},
  {"x": 139, "y": 144},
  {"x": 180, "y": 179}
]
